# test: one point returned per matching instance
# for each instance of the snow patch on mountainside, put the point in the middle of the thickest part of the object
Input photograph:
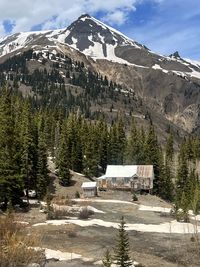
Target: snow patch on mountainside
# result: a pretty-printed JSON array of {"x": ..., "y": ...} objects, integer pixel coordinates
[
  {"x": 193, "y": 62},
  {"x": 127, "y": 40},
  {"x": 158, "y": 67},
  {"x": 18, "y": 41}
]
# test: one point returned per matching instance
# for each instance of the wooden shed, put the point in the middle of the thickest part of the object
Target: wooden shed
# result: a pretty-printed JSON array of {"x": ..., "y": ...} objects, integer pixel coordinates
[{"x": 89, "y": 189}]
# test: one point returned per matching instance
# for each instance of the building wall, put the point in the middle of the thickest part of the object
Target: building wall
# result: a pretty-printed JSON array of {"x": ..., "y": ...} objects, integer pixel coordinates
[
  {"x": 127, "y": 182},
  {"x": 89, "y": 192}
]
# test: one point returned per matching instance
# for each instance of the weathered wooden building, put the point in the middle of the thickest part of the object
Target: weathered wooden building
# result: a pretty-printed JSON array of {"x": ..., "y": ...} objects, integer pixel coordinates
[
  {"x": 89, "y": 189},
  {"x": 132, "y": 177}
]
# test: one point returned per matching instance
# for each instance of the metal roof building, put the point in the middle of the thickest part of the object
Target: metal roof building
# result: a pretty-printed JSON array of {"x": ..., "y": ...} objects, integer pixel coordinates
[{"x": 137, "y": 177}]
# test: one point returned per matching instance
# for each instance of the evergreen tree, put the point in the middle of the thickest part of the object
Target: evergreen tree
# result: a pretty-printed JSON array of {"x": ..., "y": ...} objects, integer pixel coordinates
[
  {"x": 42, "y": 167},
  {"x": 28, "y": 150},
  {"x": 169, "y": 148},
  {"x": 117, "y": 143},
  {"x": 134, "y": 148},
  {"x": 63, "y": 159},
  {"x": 182, "y": 178},
  {"x": 103, "y": 144},
  {"x": 107, "y": 261},
  {"x": 166, "y": 187},
  {"x": 154, "y": 156},
  {"x": 91, "y": 155},
  {"x": 11, "y": 184},
  {"x": 121, "y": 255}
]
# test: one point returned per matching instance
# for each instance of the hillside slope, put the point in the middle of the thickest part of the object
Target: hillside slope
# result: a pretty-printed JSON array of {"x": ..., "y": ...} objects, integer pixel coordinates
[{"x": 168, "y": 88}]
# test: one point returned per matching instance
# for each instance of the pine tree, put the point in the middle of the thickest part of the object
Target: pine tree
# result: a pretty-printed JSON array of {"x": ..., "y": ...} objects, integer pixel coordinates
[
  {"x": 63, "y": 159},
  {"x": 153, "y": 156},
  {"x": 42, "y": 167},
  {"x": 103, "y": 144},
  {"x": 11, "y": 184},
  {"x": 182, "y": 177},
  {"x": 133, "y": 145},
  {"x": 166, "y": 187},
  {"x": 117, "y": 143},
  {"x": 91, "y": 154},
  {"x": 28, "y": 149},
  {"x": 107, "y": 261},
  {"x": 121, "y": 255},
  {"x": 169, "y": 148}
]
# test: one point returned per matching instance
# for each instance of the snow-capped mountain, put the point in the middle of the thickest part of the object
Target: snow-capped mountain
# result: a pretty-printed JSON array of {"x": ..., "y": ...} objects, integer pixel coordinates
[
  {"x": 87, "y": 34},
  {"x": 99, "y": 41},
  {"x": 169, "y": 85}
]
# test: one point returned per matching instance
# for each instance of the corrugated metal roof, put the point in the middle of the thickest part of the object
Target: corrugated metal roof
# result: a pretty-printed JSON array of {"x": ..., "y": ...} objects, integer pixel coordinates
[
  {"x": 145, "y": 170},
  {"x": 121, "y": 170},
  {"x": 129, "y": 171},
  {"x": 89, "y": 185}
]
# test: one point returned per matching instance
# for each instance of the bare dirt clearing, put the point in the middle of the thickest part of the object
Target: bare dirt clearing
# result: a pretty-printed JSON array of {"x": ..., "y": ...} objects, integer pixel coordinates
[
  {"x": 85, "y": 246},
  {"x": 150, "y": 249}
]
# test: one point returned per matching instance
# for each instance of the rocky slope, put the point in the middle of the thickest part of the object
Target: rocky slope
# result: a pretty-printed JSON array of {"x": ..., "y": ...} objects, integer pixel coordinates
[{"x": 168, "y": 87}]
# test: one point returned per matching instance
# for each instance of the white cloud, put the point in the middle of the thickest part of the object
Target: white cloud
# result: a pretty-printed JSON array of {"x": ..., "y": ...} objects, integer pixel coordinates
[
  {"x": 117, "y": 17},
  {"x": 175, "y": 26},
  {"x": 2, "y": 30},
  {"x": 28, "y": 13}
]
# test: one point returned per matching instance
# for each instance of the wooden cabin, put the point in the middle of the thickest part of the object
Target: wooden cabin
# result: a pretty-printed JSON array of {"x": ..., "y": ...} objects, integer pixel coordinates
[{"x": 127, "y": 177}]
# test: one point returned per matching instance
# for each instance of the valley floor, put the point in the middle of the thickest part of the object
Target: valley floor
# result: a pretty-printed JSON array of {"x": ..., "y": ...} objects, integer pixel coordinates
[{"x": 156, "y": 240}]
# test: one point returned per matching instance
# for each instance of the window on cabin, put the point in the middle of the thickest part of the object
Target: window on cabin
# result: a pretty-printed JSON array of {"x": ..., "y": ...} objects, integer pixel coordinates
[
  {"x": 114, "y": 180},
  {"x": 126, "y": 180}
]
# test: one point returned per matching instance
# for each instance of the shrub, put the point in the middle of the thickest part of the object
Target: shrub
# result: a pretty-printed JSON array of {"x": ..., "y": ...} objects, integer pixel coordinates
[
  {"x": 77, "y": 194},
  {"x": 64, "y": 200},
  {"x": 85, "y": 213},
  {"x": 60, "y": 213},
  {"x": 134, "y": 197},
  {"x": 72, "y": 234},
  {"x": 15, "y": 248}
]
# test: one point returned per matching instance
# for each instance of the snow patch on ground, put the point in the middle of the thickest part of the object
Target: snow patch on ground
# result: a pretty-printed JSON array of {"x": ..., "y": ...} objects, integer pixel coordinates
[
  {"x": 61, "y": 256},
  {"x": 51, "y": 254},
  {"x": 78, "y": 173},
  {"x": 21, "y": 222},
  {"x": 172, "y": 227},
  {"x": 156, "y": 209},
  {"x": 196, "y": 218},
  {"x": 75, "y": 208},
  {"x": 104, "y": 201}
]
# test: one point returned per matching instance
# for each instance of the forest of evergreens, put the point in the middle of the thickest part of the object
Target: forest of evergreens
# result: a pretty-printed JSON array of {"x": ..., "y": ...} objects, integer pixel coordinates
[
  {"x": 57, "y": 124},
  {"x": 52, "y": 86}
]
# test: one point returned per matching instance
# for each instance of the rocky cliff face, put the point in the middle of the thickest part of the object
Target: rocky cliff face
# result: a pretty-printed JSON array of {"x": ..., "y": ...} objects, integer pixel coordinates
[{"x": 167, "y": 86}]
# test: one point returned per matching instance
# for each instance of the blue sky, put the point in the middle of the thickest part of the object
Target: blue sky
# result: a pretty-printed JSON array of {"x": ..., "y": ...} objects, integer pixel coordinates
[{"x": 165, "y": 26}]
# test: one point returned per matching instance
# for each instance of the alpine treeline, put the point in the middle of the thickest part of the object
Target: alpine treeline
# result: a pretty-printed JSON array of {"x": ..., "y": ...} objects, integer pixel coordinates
[{"x": 56, "y": 81}]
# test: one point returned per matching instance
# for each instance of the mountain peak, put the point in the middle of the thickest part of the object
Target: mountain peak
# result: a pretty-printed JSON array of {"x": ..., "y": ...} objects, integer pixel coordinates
[
  {"x": 84, "y": 16},
  {"x": 96, "y": 39},
  {"x": 175, "y": 55}
]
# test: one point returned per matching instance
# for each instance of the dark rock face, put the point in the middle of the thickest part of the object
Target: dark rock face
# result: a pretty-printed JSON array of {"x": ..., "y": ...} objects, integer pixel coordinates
[
  {"x": 175, "y": 55},
  {"x": 86, "y": 31}
]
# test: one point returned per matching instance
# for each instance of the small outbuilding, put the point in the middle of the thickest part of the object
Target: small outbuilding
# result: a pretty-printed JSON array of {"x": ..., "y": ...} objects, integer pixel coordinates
[{"x": 89, "y": 189}]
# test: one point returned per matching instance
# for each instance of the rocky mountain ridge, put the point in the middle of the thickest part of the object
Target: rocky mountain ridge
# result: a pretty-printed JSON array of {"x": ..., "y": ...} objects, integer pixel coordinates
[{"x": 167, "y": 85}]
